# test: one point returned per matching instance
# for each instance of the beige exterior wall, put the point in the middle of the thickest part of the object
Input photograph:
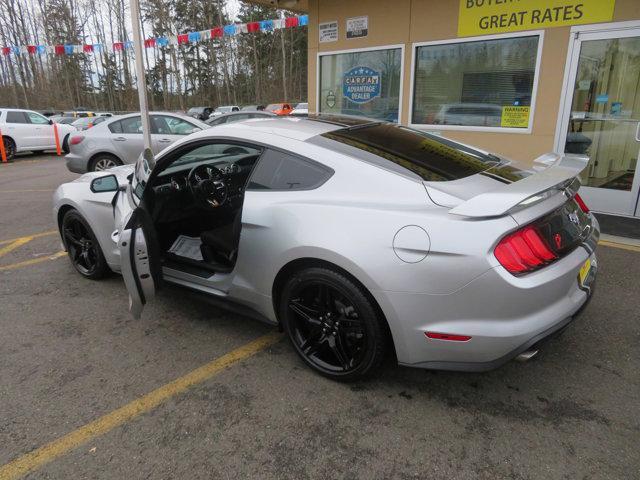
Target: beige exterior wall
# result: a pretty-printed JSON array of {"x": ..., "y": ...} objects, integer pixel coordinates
[{"x": 394, "y": 22}]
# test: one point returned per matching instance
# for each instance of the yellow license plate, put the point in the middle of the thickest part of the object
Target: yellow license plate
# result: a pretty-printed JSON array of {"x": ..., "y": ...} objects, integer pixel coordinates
[{"x": 584, "y": 271}]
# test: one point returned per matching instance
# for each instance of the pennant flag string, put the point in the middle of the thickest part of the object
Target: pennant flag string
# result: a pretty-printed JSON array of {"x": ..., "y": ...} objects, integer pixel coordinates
[{"x": 182, "y": 39}]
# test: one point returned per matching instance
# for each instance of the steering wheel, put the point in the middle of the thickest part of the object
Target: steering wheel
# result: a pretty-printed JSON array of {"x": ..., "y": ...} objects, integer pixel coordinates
[{"x": 207, "y": 185}]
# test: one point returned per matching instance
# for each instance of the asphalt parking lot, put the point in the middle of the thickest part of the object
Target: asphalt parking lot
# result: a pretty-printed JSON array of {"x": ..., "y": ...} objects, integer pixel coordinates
[{"x": 190, "y": 391}]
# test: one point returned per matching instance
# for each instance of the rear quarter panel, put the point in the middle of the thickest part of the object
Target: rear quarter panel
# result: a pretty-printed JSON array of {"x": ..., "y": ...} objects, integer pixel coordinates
[{"x": 351, "y": 221}]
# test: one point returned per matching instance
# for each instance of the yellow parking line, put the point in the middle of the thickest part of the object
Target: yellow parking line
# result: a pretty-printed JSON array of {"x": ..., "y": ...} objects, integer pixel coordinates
[
  {"x": 13, "y": 245},
  {"x": 623, "y": 246},
  {"x": 35, "y": 235},
  {"x": 36, "y": 458},
  {"x": 33, "y": 261}
]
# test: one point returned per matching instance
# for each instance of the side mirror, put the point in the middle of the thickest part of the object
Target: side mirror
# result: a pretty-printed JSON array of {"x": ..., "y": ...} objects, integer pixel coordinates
[
  {"x": 50, "y": 122},
  {"x": 108, "y": 183}
]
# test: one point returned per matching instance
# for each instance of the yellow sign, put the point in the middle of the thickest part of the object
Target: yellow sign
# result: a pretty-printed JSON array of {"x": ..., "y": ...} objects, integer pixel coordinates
[
  {"x": 515, "y": 117},
  {"x": 481, "y": 17}
]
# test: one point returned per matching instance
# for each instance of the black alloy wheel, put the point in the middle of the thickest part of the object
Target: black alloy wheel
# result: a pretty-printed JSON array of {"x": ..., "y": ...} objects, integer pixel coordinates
[
  {"x": 9, "y": 147},
  {"x": 82, "y": 246},
  {"x": 332, "y": 324}
]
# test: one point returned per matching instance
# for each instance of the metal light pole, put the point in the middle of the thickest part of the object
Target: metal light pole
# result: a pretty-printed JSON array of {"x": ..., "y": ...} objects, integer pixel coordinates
[{"x": 141, "y": 78}]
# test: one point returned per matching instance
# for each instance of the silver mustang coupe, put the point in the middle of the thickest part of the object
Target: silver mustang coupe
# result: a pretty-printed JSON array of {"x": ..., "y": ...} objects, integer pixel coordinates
[{"x": 355, "y": 237}]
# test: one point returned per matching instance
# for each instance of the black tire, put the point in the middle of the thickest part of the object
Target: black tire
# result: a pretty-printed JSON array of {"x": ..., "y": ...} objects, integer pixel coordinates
[
  {"x": 65, "y": 144},
  {"x": 342, "y": 336},
  {"x": 103, "y": 161},
  {"x": 82, "y": 246},
  {"x": 9, "y": 147}
]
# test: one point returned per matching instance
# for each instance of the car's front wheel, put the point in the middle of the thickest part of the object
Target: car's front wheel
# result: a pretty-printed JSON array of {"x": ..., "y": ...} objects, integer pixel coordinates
[
  {"x": 103, "y": 162},
  {"x": 333, "y": 324},
  {"x": 82, "y": 246}
]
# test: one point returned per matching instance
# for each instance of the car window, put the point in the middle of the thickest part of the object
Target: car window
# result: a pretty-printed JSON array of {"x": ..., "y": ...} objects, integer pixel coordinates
[
  {"x": 166, "y": 125},
  {"x": 405, "y": 150},
  {"x": 214, "y": 154},
  {"x": 16, "y": 117},
  {"x": 115, "y": 127},
  {"x": 281, "y": 171},
  {"x": 37, "y": 119},
  {"x": 238, "y": 118},
  {"x": 131, "y": 125}
]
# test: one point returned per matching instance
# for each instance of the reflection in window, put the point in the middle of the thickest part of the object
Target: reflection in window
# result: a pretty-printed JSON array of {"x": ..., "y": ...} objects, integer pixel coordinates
[
  {"x": 486, "y": 83},
  {"x": 361, "y": 83}
]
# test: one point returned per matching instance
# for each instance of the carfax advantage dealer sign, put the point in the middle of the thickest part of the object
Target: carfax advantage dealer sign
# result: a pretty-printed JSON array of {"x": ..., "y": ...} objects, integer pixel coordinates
[{"x": 482, "y": 17}]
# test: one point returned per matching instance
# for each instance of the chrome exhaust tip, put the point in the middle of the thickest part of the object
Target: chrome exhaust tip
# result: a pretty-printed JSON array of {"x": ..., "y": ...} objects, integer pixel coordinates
[{"x": 526, "y": 356}]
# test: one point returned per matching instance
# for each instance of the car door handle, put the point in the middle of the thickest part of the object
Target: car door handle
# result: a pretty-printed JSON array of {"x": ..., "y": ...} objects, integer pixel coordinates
[
  {"x": 120, "y": 139},
  {"x": 164, "y": 140}
]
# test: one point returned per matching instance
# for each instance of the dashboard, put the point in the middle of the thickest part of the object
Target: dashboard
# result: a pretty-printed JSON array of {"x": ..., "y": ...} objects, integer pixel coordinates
[{"x": 235, "y": 170}]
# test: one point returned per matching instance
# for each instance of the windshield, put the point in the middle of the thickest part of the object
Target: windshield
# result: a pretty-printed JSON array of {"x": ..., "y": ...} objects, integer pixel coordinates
[
  {"x": 302, "y": 106},
  {"x": 273, "y": 107},
  {"x": 430, "y": 157},
  {"x": 223, "y": 109}
]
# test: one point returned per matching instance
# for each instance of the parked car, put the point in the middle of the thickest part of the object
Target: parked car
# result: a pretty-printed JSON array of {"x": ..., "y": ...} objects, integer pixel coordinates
[
  {"x": 86, "y": 123},
  {"x": 225, "y": 109},
  {"x": 237, "y": 117},
  {"x": 118, "y": 140},
  {"x": 61, "y": 119},
  {"x": 201, "y": 113},
  {"x": 279, "y": 108},
  {"x": 301, "y": 110},
  {"x": 475, "y": 114},
  {"x": 29, "y": 131},
  {"x": 354, "y": 236},
  {"x": 252, "y": 108},
  {"x": 78, "y": 114}
]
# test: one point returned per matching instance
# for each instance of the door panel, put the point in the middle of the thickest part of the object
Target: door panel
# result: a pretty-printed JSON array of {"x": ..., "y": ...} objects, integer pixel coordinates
[
  {"x": 41, "y": 131},
  {"x": 139, "y": 260},
  {"x": 603, "y": 118},
  {"x": 19, "y": 128}
]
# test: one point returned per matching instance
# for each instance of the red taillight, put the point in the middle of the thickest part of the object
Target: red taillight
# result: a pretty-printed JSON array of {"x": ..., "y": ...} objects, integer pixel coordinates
[
  {"x": 75, "y": 140},
  {"x": 447, "y": 336},
  {"x": 581, "y": 204},
  {"x": 523, "y": 251}
]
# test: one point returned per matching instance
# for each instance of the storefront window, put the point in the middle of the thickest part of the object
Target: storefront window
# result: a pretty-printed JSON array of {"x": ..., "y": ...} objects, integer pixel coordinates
[
  {"x": 365, "y": 83},
  {"x": 484, "y": 83}
]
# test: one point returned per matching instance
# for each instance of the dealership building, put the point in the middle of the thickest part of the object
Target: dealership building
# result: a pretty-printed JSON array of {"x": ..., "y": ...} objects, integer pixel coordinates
[{"x": 520, "y": 78}]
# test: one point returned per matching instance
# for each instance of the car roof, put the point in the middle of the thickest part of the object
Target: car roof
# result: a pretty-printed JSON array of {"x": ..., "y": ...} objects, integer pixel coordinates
[
  {"x": 17, "y": 110},
  {"x": 291, "y": 127},
  {"x": 246, "y": 112}
]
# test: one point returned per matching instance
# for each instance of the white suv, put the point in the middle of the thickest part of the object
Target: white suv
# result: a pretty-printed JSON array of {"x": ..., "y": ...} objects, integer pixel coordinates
[{"x": 29, "y": 131}]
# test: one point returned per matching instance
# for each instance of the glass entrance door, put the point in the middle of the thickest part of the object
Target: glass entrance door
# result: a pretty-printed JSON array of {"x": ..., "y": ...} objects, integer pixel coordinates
[{"x": 601, "y": 117}]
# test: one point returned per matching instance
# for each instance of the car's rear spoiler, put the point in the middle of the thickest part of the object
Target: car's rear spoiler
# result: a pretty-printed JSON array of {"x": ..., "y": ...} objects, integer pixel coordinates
[{"x": 553, "y": 171}]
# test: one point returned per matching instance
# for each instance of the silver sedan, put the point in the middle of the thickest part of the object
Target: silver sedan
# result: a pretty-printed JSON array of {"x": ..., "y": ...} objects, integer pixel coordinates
[
  {"x": 356, "y": 237},
  {"x": 118, "y": 140}
]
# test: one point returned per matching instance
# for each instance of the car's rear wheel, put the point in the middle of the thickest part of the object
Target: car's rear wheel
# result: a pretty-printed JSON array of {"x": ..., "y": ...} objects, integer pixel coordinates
[
  {"x": 9, "y": 147},
  {"x": 83, "y": 247},
  {"x": 103, "y": 162},
  {"x": 65, "y": 144},
  {"x": 333, "y": 324}
]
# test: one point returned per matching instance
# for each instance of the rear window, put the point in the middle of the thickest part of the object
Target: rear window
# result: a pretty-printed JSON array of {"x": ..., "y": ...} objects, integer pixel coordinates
[{"x": 397, "y": 148}]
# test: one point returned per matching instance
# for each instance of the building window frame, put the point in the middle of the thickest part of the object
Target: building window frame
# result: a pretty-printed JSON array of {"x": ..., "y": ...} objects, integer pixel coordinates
[
  {"x": 400, "y": 46},
  {"x": 469, "y": 128}
]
